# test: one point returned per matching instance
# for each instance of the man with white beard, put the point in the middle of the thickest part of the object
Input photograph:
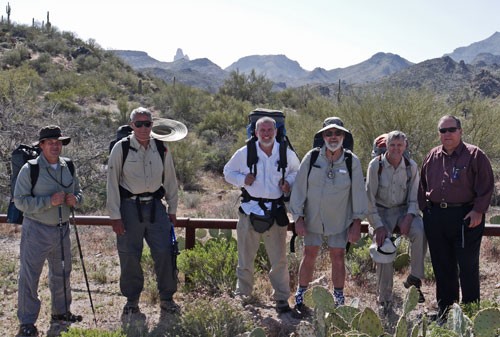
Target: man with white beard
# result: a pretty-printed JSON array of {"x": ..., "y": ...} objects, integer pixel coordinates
[
  {"x": 328, "y": 202},
  {"x": 262, "y": 212}
]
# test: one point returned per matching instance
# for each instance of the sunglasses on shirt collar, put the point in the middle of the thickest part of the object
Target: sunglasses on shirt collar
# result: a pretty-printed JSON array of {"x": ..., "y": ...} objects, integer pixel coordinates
[
  {"x": 450, "y": 130},
  {"x": 139, "y": 124}
]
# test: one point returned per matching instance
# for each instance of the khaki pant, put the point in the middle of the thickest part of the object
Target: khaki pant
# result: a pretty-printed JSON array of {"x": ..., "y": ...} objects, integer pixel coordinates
[
  {"x": 418, "y": 248},
  {"x": 248, "y": 244}
]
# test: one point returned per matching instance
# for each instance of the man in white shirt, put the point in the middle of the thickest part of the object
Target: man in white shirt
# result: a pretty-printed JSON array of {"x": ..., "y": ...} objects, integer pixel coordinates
[{"x": 263, "y": 195}]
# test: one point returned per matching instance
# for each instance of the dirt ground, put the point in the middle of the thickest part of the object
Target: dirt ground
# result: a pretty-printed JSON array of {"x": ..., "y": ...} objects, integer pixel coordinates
[{"x": 217, "y": 200}]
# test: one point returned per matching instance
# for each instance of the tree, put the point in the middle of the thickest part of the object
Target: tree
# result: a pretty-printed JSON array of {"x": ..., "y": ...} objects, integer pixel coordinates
[{"x": 253, "y": 88}]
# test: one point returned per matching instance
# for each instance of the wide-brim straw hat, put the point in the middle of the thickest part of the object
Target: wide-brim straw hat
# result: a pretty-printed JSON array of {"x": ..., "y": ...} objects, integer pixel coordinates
[
  {"x": 385, "y": 253},
  {"x": 168, "y": 130}
]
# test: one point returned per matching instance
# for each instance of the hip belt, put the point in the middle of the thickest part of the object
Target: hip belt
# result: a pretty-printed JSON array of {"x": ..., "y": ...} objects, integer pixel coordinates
[
  {"x": 143, "y": 198},
  {"x": 443, "y": 204}
]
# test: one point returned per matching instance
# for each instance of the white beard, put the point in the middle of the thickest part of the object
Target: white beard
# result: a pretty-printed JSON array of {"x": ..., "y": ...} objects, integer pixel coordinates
[
  {"x": 333, "y": 147},
  {"x": 266, "y": 144}
]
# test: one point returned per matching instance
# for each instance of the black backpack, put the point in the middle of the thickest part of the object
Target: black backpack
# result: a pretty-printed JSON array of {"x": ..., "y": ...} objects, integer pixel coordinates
[
  {"x": 281, "y": 138},
  {"x": 21, "y": 155},
  {"x": 122, "y": 132}
]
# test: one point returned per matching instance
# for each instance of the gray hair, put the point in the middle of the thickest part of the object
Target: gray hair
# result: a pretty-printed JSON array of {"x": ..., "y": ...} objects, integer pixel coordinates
[
  {"x": 265, "y": 120},
  {"x": 396, "y": 134},
  {"x": 140, "y": 111},
  {"x": 456, "y": 119}
]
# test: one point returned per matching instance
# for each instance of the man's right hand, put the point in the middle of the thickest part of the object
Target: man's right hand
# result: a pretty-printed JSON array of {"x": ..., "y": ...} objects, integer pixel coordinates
[
  {"x": 57, "y": 198},
  {"x": 300, "y": 226},
  {"x": 118, "y": 226},
  {"x": 249, "y": 179},
  {"x": 380, "y": 235}
]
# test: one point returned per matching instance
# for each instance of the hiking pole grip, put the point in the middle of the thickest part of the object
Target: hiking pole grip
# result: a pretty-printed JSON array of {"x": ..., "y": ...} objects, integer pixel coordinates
[
  {"x": 83, "y": 265},
  {"x": 61, "y": 237}
]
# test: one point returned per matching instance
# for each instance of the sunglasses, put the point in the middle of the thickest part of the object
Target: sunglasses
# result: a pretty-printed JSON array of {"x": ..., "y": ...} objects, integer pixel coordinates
[
  {"x": 337, "y": 133},
  {"x": 139, "y": 124},
  {"x": 450, "y": 130}
]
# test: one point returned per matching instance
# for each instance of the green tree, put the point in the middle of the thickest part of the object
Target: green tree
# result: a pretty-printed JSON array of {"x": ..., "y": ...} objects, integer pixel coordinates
[{"x": 254, "y": 88}]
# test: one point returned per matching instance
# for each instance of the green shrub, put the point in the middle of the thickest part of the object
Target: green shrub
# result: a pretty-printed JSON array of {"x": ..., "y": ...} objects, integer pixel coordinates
[
  {"x": 42, "y": 64},
  {"x": 211, "y": 266},
  {"x": 188, "y": 162},
  {"x": 213, "y": 318},
  {"x": 358, "y": 260},
  {"x": 16, "y": 56},
  {"x": 86, "y": 63},
  {"x": 77, "y": 332}
]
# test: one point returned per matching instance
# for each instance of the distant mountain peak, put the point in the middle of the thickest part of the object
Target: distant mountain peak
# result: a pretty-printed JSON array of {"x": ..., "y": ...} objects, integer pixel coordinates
[
  {"x": 179, "y": 55},
  {"x": 468, "y": 54}
]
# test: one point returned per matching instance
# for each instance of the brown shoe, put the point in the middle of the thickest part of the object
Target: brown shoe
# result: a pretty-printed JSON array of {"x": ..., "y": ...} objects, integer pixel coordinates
[{"x": 415, "y": 281}]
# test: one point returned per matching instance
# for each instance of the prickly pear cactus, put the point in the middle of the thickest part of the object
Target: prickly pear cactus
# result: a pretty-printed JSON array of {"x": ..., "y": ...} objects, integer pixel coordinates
[
  {"x": 323, "y": 299},
  {"x": 401, "y": 261},
  {"x": 308, "y": 299},
  {"x": 402, "y": 327},
  {"x": 424, "y": 326},
  {"x": 459, "y": 322},
  {"x": 214, "y": 232},
  {"x": 305, "y": 329},
  {"x": 370, "y": 324},
  {"x": 354, "y": 303},
  {"x": 347, "y": 313},
  {"x": 414, "y": 331},
  {"x": 228, "y": 233},
  {"x": 487, "y": 322},
  {"x": 257, "y": 332},
  {"x": 338, "y": 322},
  {"x": 411, "y": 300},
  {"x": 355, "y": 321}
]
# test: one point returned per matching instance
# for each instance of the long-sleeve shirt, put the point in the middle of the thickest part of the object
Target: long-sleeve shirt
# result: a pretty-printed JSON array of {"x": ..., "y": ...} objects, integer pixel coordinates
[
  {"x": 266, "y": 184},
  {"x": 142, "y": 172},
  {"x": 50, "y": 180},
  {"x": 463, "y": 176},
  {"x": 391, "y": 188},
  {"x": 328, "y": 205}
]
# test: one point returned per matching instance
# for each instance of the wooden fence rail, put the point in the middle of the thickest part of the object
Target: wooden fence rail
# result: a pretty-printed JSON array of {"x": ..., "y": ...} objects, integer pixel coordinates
[{"x": 191, "y": 225}]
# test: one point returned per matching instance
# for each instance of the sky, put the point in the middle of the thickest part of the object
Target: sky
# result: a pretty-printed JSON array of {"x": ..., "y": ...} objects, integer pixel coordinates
[{"x": 315, "y": 33}]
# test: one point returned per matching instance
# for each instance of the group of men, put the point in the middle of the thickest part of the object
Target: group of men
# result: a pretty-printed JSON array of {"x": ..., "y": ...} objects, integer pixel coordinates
[{"x": 328, "y": 198}]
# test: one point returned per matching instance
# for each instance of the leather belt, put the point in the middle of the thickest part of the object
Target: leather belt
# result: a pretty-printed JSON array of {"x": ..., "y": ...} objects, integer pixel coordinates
[
  {"x": 448, "y": 204},
  {"x": 142, "y": 199}
]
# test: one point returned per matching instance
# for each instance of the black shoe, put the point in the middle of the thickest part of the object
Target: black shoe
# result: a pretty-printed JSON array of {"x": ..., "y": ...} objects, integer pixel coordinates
[
  {"x": 130, "y": 310},
  {"x": 301, "y": 310},
  {"x": 415, "y": 281},
  {"x": 282, "y": 306},
  {"x": 27, "y": 330},
  {"x": 67, "y": 317}
]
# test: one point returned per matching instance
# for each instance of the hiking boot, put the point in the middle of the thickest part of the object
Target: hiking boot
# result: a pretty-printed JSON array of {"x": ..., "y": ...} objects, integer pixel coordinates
[
  {"x": 169, "y": 306},
  {"x": 27, "y": 330},
  {"x": 386, "y": 308},
  {"x": 130, "y": 309},
  {"x": 67, "y": 317},
  {"x": 301, "y": 311},
  {"x": 415, "y": 281},
  {"x": 282, "y": 306}
]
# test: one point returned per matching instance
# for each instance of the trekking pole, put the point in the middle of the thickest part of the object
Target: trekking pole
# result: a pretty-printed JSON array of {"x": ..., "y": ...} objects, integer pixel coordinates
[
  {"x": 83, "y": 265},
  {"x": 62, "y": 262}
]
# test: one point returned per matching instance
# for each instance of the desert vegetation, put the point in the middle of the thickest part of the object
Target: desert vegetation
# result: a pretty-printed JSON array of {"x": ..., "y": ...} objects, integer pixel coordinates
[{"x": 53, "y": 77}]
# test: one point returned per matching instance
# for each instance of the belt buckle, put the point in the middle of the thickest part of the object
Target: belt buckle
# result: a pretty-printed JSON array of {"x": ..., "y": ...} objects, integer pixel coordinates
[{"x": 443, "y": 204}]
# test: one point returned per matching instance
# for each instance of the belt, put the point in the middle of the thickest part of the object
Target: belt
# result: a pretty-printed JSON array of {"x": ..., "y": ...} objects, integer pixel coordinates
[
  {"x": 448, "y": 204},
  {"x": 141, "y": 199},
  {"x": 382, "y": 206}
]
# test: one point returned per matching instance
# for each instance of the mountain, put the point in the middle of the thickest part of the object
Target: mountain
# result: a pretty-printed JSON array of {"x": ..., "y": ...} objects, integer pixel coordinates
[
  {"x": 486, "y": 59},
  {"x": 444, "y": 76},
  {"x": 490, "y": 45},
  {"x": 137, "y": 59},
  {"x": 277, "y": 68},
  {"x": 179, "y": 55}
]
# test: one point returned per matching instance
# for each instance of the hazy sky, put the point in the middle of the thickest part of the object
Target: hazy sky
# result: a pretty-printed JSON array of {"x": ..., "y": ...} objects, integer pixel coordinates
[{"x": 315, "y": 33}]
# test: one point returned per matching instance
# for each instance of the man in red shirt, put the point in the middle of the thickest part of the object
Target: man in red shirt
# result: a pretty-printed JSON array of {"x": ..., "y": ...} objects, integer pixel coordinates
[{"x": 454, "y": 194}]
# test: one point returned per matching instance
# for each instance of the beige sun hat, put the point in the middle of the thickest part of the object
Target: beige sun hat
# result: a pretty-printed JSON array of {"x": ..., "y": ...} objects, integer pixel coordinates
[
  {"x": 168, "y": 130},
  {"x": 385, "y": 253}
]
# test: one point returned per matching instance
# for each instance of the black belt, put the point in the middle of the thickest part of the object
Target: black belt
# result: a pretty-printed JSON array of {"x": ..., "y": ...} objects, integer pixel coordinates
[
  {"x": 143, "y": 198},
  {"x": 448, "y": 204}
]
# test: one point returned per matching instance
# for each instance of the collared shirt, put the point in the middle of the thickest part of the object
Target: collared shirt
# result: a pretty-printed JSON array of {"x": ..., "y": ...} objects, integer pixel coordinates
[
  {"x": 37, "y": 206},
  {"x": 266, "y": 184},
  {"x": 391, "y": 188},
  {"x": 463, "y": 176},
  {"x": 328, "y": 205},
  {"x": 142, "y": 172}
]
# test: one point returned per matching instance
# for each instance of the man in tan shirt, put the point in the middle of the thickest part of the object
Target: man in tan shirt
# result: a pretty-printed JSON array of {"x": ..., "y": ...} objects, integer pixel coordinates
[
  {"x": 392, "y": 185},
  {"x": 135, "y": 186}
]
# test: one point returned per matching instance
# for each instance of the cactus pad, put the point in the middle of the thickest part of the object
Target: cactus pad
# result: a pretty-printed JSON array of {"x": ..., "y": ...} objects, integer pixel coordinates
[
  {"x": 347, "y": 313},
  {"x": 487, "y": 322},
  {"x": 411, "y": 300},
  {"x": 402, "y": 328},
  {"x": 323, "y": 299},
  {"x": 257, "y": 332},
  {"x": 401, "y": 261},
  {"x": 370, "y": 324},
  {"x": 305, "y": 329}
]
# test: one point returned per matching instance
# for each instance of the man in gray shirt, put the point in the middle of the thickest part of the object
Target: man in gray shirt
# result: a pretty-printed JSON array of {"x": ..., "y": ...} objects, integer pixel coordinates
[
  {"x": 392, "y": 186},
  {"x": 136, "y": 185},
  {"x": 46, "y": 199},
  {"x": 328, "y": 201}
]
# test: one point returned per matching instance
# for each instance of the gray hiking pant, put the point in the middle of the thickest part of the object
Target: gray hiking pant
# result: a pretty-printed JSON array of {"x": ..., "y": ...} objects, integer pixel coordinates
[
  {"x": 130, "y": 244},
  {"x": 418, "y": 248},
  {"x": 40, "y": 242}
]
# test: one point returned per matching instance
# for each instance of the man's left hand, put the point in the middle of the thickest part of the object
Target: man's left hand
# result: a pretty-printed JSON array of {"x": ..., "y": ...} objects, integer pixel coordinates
[
  {"x": 405, "y": 225},
  {"x": 285, "y": 186},
  {"x": 475, "y": 218},
  {"x": 70, "y": 200},
  {"x": 354, "y": 232}
]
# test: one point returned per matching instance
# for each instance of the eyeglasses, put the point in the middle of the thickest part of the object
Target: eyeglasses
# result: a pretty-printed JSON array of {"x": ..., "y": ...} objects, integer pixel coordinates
[
  {"x": 337, "y": 133},
  {"x": 139, "y": 124},
  {"x": 450, "y": 130}
]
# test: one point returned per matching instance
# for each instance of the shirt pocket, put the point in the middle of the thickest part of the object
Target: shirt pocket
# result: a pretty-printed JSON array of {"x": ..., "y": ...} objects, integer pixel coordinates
[
  {"x": 341, "y": 181},
  {"x": 134, "y": 169}
]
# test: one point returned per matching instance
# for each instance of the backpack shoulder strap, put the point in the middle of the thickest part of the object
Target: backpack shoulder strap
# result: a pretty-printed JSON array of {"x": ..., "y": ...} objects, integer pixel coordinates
[
  {"x": 71, "y": 165},
  {"x": 380, "y": 165},
  {"x": 314, "y": 157},
  {"x": 125, "y": 148},
  {"x": 348, "y": 161},
  {"x": 34, "y": 172},
  {"x": 283, "y": 163},
  {"x": 161, "y": 148},
  {"x": 252, "y": 157}
]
